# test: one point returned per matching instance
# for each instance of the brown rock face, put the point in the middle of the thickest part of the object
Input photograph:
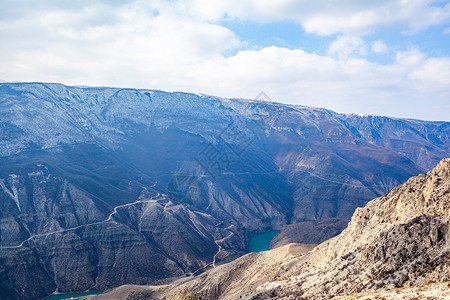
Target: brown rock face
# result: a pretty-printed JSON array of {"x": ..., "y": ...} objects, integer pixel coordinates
[{"x": 400, "y": 239}]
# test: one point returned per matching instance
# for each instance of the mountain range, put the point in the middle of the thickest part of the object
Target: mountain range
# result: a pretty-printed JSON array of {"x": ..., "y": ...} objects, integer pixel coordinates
[{"x": 101, "y": 187}]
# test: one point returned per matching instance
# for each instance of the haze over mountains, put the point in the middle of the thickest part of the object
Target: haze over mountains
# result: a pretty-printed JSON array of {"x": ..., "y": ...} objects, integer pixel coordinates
[{"x": 101, "y": 187}]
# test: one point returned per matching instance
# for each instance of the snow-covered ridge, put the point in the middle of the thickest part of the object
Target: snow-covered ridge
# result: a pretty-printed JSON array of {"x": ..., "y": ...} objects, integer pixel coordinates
[{"x": 48, "y": 115}]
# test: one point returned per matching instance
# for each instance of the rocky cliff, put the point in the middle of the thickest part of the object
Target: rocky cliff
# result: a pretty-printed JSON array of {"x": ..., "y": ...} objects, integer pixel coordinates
[
  {"x": 105, "y": 186},
  {"x": 401, "y": 239}
]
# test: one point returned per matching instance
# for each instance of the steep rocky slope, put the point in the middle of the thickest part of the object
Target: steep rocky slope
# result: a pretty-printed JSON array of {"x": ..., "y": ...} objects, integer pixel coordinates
[
  {"x": 400, "y": 239},
  {"x": 309, "y": 232},
  {"x": 430, "y": 291},
  {"x": 139, "y": 186}
]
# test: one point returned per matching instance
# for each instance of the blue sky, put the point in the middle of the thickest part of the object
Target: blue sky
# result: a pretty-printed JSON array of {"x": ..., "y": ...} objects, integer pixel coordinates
[
  {"x": 386, "y": 57},
  {"x": 288, "y": 34}
]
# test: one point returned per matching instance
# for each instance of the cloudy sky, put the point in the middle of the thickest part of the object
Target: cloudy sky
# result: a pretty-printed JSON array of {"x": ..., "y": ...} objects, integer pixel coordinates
[{"x": 385, "y": 57}]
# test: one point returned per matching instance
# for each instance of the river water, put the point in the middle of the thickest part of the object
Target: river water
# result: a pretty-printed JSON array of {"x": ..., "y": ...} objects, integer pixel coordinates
[{"x": 261, "y": 242}]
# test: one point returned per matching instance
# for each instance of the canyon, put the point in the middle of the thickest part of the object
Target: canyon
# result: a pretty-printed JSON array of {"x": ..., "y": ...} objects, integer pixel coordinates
[{"x": 101, "y": 187}]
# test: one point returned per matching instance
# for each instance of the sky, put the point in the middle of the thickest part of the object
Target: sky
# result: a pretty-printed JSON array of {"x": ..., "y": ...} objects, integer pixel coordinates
[{"x": 384, "y": 57}]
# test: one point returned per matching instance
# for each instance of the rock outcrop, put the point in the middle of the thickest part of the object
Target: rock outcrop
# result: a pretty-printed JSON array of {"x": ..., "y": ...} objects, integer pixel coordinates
[{"x": 430, "y": 291}]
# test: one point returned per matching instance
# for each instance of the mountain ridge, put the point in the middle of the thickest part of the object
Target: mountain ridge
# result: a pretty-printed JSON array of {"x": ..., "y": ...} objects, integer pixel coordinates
[{"x": 72, "y": 156}]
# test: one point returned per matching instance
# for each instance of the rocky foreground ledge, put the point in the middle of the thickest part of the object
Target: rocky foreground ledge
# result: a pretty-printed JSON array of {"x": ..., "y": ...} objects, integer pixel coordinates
[{"x": 431, "y": 291}]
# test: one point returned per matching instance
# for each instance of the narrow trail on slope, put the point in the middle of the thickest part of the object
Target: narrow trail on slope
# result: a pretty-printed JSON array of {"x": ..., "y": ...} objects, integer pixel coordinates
[
  {"x": 109, "y": 219},
  {"x": 213, "y": 263},
  {"x": 220, "y": 247}
]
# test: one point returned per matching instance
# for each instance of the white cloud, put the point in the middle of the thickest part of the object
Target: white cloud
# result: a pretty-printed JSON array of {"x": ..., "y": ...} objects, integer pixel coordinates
[
  {"x": 159, "y": 45},
  {"x": 328, "y": 17},
  {"x": 352, "y": 85},
  {"x": 379, "y": 47},
  {"x": 347, "y": 46},
  {"x": 137, "y": 48}
]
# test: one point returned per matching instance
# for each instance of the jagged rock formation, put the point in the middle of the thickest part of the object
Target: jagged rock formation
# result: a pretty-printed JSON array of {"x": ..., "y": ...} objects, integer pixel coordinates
[
  {"x": 105, "y": 186},
  {"x": 398, "y": 240}
]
